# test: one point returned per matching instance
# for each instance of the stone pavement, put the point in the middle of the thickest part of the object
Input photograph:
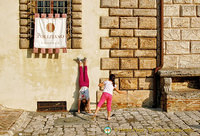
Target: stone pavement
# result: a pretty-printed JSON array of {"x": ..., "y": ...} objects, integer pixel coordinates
[
  {"x": 130, "y": 122},
  {"x": 8, "y": 120}
]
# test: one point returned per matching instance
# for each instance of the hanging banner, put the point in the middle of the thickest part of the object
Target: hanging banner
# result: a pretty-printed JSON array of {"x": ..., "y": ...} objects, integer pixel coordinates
[{"x": 50, "y": 33}]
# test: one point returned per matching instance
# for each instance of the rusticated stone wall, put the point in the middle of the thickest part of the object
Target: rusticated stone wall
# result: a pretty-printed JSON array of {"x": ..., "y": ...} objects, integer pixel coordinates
[
  {"x": 182, "y": 33},
  {"x": 132, "y": 42},
  {"x": 73, "y": 42},
  {"x": 180, "y": 90}
]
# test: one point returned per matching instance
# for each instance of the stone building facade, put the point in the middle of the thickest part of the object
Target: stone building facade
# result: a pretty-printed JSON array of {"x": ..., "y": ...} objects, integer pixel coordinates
[
  {"x": 179, "y": 78},
  {"x": 121, "y": 37},
  {"x": 132, "y": 44}
]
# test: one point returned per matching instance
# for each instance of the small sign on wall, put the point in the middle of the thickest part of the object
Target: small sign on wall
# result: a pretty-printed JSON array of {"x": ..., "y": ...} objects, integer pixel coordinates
[{"x": 50, "y": 33}]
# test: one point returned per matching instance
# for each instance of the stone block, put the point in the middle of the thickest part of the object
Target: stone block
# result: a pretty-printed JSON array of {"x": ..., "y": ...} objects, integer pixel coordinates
[
  {"x": 109, "y": 42},
  {"x": 23, "y": 1},
  {"x": 145, "y": 83},
  {"x": 170, "y": 61},
  {"x": 109, "y": 63},
  {"x": 140, "y": 98},
  {"x": 128, "y": 22},
  {"x": 77, "y": 30},
  {"x": 122, "y": 73},
  {"x": 120, "y": 12},
  {"x": 119, "y": 99},
  {"x": 24, "y": 29},
  {"x": 145, "y": 12},
  {"x": 167, "y": 22},
  {"x": 76, "y": 15},
  {"x": 190, "y": 34},
  {"x": 198, "y": 11},
  {"x": 121, "y": 53},
  {"x": 189, "y": 61},
  {"x": 76, "y": 8},
  {"x": 24, "y": 43},
  {"x": 128, "y": 3},
  {"x": 147, "y": 22},
  {"x": 147, "y": 4},
  {"x": 195, "y": 48},
  {"x": 197, "y": 1},
  {"x": 77, "y": 35},
  {"x": 177, "y": 47},
  {"x": 145, "y": 53},
  {"x": 147, "y": 63},
  {"x": 128, "y": 83},
  {"x": 143, "y": 73},
  {"x": 24, "y": 36},
  {"x": 167, "y": 1},
  {"x": 23, "y": 22},
  {"x": 129, "y": 63},
  {"x": 76, "y": 1},
  {"x": 172, "y": 34},
  {"x": 129, "y": 43},
  {"x": 188, "y": 10},
  {"x": 145, "y": 33},
  {"x": 148, "y": 43},
  {"x": 109, "y": 22},
  {"x": 171, "y": 10},
  {"x": 109, "y": 3},
  {"x": 195, "y": 22},
  {"x": 23, "y": 7},
  {"x": 77, "y": 43},
  {"x": 182, "y": 1},
  {"x": 23, "y": 15},
  {"x": 180, "y": 22},
  {"x": 76, "y": 22},
  {"x": 121, "y": 32}
]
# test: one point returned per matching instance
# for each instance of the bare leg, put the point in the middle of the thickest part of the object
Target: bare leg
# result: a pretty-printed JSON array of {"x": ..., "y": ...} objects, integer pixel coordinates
[
  {"x": 98, "y": 108},
  {"x": 109, "y": 113},
  {"x": 79, "y": 105},
  {"x": 88, "y": 106}
]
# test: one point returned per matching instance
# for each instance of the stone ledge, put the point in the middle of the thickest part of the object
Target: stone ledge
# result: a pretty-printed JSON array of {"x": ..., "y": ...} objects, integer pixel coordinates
[
  {"x": 184, "y": 94},
  {"x": 179, "y": 72}
]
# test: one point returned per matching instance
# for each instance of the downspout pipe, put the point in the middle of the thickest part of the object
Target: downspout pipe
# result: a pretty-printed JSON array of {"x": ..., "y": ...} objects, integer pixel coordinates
[{"x": 156, "y": 77}]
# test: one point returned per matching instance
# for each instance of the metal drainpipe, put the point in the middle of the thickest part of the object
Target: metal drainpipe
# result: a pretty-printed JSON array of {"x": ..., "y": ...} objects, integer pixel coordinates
[{"x": 161, "y": 53}]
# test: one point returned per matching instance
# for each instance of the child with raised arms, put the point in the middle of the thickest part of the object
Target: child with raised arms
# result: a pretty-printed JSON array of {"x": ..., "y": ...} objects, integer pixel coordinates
[{"x": 109, "y": 86}]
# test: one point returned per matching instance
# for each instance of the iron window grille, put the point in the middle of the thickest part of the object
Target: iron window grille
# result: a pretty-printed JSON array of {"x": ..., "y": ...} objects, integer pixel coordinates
[{"x": 51, "y": 7}]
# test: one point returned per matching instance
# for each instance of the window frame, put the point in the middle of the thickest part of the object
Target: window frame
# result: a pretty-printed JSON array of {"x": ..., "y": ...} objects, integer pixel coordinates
[{"x": 67, "y": 9}]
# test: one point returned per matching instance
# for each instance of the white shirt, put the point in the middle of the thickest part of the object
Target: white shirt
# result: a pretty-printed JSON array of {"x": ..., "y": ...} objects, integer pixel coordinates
[{"x": 108, "y": 87}]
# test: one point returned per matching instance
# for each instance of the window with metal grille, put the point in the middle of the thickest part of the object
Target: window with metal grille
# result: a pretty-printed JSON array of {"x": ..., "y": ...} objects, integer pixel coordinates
[
  {"x": 50, "y": 106},
  {"x": 51, "y": 7}
]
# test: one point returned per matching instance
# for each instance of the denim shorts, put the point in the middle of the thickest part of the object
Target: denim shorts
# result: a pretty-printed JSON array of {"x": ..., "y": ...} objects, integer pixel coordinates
[{"x": 84, "y": 93}]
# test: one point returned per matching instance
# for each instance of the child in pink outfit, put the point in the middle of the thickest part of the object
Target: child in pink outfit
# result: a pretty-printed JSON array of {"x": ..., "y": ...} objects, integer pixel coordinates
[
  {"x": 109, "y": 86},
  {"x": 83, "y": 77},
  {"x": 84, "y": 98}
]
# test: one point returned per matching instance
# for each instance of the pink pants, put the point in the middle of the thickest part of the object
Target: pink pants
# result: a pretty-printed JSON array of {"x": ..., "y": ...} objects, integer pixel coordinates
[
  {"x": 83, "y": 77},
  {"x": 108, "y": 98}
]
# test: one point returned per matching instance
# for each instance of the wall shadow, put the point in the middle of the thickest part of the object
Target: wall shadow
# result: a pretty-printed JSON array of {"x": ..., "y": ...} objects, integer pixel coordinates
[
  {"x": 148, "y": 102},
  {"x": 74, "y": 106}
]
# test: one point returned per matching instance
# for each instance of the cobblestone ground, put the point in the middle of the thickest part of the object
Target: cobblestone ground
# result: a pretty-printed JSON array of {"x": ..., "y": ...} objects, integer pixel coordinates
[{"x": 130, "y": 122}]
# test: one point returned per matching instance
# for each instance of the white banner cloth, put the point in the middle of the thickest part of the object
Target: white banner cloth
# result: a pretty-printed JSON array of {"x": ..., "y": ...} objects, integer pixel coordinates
[{"x": 50, "y": 33}]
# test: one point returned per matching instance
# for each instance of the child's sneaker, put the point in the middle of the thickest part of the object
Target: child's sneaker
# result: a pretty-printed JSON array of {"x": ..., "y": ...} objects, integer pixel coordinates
[
  {"x": 79, "y": 59},
  {"x": 85, "y": 59}
]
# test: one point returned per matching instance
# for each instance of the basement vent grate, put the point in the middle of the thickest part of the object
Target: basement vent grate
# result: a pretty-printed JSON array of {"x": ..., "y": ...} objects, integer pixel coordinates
[{"x": 51, "y": 106}]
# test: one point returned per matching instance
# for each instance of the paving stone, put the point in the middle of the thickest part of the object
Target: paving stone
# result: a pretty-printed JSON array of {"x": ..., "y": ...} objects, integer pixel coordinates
[{"x": 137, "y": 121}]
